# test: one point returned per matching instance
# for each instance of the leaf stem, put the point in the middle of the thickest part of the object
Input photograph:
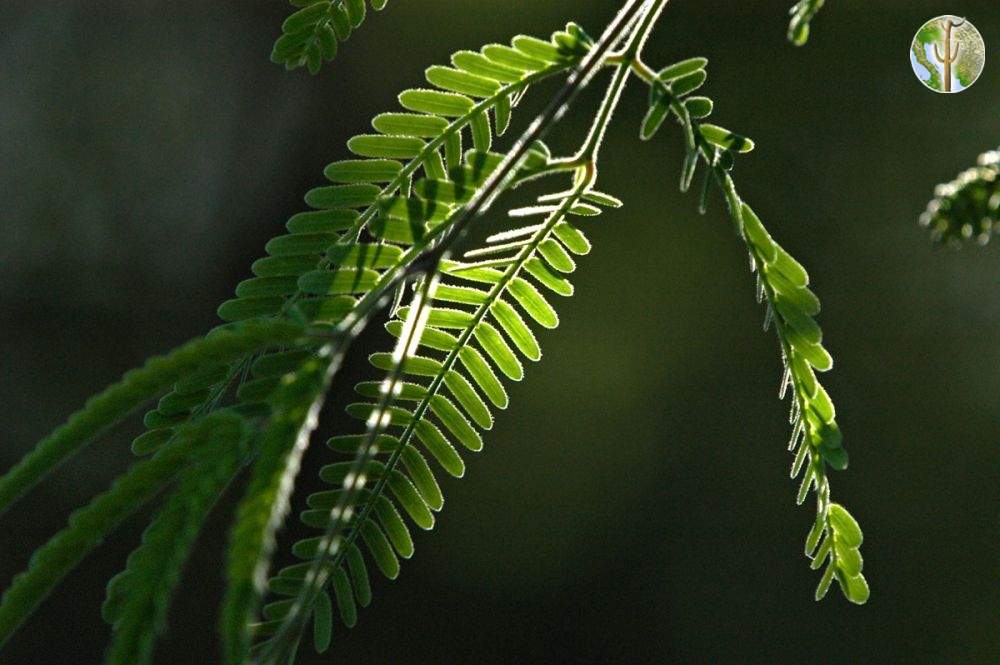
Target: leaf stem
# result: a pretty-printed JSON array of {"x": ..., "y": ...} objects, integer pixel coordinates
[{"x": 624, "y": 60}]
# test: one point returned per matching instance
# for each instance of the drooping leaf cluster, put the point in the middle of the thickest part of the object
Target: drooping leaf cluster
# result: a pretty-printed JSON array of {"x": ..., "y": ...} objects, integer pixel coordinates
[
  {"x": 783, "y": 285},
  {"x": 816, "y": 441},
  {"x": 310, "y": 35}
]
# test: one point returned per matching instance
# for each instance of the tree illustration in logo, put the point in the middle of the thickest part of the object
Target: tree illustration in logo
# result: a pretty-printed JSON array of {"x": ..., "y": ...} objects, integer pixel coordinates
[
  {"x": 947, "y": 54},
  {"x": 951, "y": 50}
]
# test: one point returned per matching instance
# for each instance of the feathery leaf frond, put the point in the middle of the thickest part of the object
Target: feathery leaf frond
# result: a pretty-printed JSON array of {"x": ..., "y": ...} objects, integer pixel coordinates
[
  {"x": 89, "y": 525},
  {"x": 968, "y": 207},
  {"x": 138, "y": 597},
  {"x": 316, "y": 271},
  {"x": 782, "y": 283},
  {"x": 136, "y": 387},
  {"x": 474, "y": 330},
  {"x": 402, "y": 215},
  {"x": 816, "y": 439},
  {"x": 251, "y": 391}
]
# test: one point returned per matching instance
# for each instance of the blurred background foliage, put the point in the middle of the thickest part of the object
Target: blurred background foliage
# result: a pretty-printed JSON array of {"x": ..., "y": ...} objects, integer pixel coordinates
[{"x": 633, "y": 504}]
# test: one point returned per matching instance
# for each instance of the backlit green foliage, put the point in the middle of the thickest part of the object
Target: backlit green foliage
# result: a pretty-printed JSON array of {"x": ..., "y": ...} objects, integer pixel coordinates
[
  {"x": 476, "y": 332},
  {"x": 783, "y": 285},
  {"x": 387, "y": 226}
]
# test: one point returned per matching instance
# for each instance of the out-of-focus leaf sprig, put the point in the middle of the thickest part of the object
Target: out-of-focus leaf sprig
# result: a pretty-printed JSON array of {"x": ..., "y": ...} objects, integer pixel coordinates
[{"x": 968, "y": 207}]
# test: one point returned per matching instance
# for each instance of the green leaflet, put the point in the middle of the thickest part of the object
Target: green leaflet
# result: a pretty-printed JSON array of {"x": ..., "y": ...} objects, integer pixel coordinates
[
  {"x": 138, "y": 598},
  {"x": 410, "y": 124},
  {"x": 378, "y": 145},
  {"x": 343, "y": 196},
  {"x": 556, "y": 255},
  {"x": 681, "y": 69},
  {"x": 513, "y": 58},
  {"x": 725, "y": 139},
  {"x": 496, "y": 347},
  {"x": 444, "y": 104},
  {"x": 323, "y": 622},
  {"x": 464, "y": 83},
  {"x": 89, "y": 525},
  {"x": 136, "y": 387},
  {"x": 844, "y": 526},
  {"x": 359, "y": 575},
  {"x": 688, "y": 83},
  {"x": 345, "y": 597},
  {"x": 363, "y": 170},
  {"x": 480, "y": 65},
  {"x": 699, "y": 107},
  {"x": 802, "y": 13},
  {"x": 673, "y": 84},
  {"x": 516, "y": 329}
]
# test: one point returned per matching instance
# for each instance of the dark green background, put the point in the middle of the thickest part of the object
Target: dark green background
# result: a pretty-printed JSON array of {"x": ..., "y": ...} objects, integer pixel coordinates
[{"x": 633, "y": 504}]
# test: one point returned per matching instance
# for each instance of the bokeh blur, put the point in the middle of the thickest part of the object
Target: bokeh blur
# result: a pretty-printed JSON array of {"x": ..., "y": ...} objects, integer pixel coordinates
[{"x": 633, "y": 503}]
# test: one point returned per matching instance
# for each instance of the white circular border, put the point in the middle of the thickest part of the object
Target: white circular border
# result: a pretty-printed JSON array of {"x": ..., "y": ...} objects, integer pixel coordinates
[{"x": 909, "y": 54}]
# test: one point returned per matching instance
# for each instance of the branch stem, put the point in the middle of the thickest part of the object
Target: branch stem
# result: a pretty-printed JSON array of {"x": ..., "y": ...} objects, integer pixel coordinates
[{"x": 624, "y": 59}]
